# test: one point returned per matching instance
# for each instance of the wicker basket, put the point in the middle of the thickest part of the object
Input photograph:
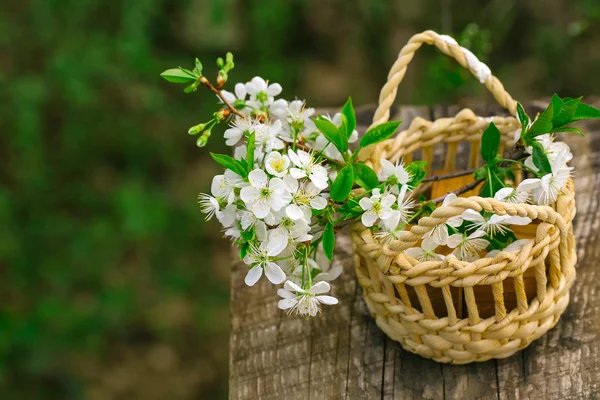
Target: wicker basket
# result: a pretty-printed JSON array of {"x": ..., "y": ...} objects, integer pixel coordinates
[{"x": 454, "y": 311}]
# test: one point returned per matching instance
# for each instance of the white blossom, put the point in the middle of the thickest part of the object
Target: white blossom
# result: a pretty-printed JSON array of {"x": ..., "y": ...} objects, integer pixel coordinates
[
  {"x": 228, "y": 216},
  {"x": 277, "y": 164},
  {"x": 298, "y": 119},
  {"x": 493, "y": 224},
  {"x": 238, "y": 128},
  {"x": 266, "y": 137},
  {"x": 520, "y": 194},
  {"x": 264, "y": 195},
  {"x": 304, "y": 301},
  {"x": 248, "y": 219},
  {"x": 440, "y": 232},
  {"x": 552, "y": 149},
  {"x": 376, "y": 207},
  {"x": 306, "y": 166},
  {"x": 467, "y": 248},
  {"x": 426, "y": 252},
  {"x": 397, "y": 173},
  {"x": 237, "y": 98},
  {"x": 289, "y": 231},
  {"x": 551, "y": 185},
  {"x": 261, "y": 92},
  {"x": 261, "y": 258},
  {"x": 223, "y": 186},
  {"x": 305, "y": 196},
  {"x": 208, "y": 205}
]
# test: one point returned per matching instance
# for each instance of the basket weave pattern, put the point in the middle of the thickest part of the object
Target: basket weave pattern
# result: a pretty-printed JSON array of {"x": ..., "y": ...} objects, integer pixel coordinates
[{"x": 451, "y": 310}]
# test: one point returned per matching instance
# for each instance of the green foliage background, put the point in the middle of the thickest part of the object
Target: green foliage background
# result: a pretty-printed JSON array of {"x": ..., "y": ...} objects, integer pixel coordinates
[{"x": 111, "y": 284}]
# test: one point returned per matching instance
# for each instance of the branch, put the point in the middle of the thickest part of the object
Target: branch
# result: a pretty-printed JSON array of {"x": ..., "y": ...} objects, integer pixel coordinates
[
  {"x": 216, "y": 91},
  {"x": 451, "y": 175},
  {"x": 460, "y": 190}
]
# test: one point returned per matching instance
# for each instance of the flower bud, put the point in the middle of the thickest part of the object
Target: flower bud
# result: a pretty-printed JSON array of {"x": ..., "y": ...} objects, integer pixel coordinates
[
  {"x": 203, "y": 140},
  {"x": 221, "y": 79},
  {"x": 194, "y": 130}
]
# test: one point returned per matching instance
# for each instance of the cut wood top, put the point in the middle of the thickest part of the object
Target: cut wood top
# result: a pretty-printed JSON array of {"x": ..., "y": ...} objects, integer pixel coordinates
[{"x": 342, "y": 354}]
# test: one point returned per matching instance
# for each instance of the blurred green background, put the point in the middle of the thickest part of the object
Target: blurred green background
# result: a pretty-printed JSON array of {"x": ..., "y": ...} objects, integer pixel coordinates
[{"x": 111, "y": 284}]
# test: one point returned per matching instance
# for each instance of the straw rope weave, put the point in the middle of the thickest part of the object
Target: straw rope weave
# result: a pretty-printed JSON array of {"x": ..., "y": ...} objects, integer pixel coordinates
[{"x": 420, "y": 304}]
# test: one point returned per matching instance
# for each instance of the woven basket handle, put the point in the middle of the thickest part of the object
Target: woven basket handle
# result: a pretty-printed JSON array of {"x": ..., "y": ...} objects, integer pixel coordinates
[{"x": 448, "y": 46}]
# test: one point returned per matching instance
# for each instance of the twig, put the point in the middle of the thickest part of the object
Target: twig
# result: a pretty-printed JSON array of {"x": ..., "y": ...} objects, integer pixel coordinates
[
  {"x": 460, "y": 190},
  {"x": 216, "y": 91},
  {"x": 451, "y": 175}
]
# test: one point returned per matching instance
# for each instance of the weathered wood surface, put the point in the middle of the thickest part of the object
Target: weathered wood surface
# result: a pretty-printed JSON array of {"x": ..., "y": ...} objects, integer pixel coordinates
[{"x": 343, "y": 355}]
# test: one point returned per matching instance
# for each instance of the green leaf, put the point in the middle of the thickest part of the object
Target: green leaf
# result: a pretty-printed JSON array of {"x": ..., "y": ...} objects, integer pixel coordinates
[
  {"x": 493, "y": 183},
  {"x": 332, "y": 133},
  {"x": 249, "y": 234},
  {"x": 540, "y": 160},
  {"x": 542, "y": 125},
  {"x": 523, "y": 117},
  {"x": 230, "y": 163},
  {"x": 505, "y": 172},
  {"x": 251, "y": 146},
  {"x": 341, "y": 187},
  {"x": 585, "y": 111},
  {"x": 365, "y": 176},
  {"x": 244, "y": 250},
  {"x": 328, "y": 241},
  {"x": 176, "y": 75},
  {"x": 197, "y": 68},
  {"x": 349, "y": 116},
  {"x": 379, "y": 133},
  {"x": 557, "y": 103},
  {"x": 566, "y": 113},
  {"x": 417, "y": 171},
  {"x": 490, "y": 142},
  {"x": 568, "y": 129},
  {"x": 480, "y": 173}
]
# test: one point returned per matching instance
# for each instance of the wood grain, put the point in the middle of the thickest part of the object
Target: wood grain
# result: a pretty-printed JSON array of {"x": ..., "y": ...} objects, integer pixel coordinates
[{"x": 343, "y": 355}]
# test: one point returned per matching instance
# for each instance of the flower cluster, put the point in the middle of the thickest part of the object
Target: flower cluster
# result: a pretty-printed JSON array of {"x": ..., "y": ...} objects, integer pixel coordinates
[{"x": 293, "y": 178}]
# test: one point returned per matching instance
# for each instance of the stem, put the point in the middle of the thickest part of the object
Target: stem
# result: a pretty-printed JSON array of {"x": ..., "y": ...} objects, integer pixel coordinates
[
  {"x": 523, "y": 166},
  {"x": 460, "y": 190},
  {"x": 451, "y": 175},
  {"x": 489, "y": 182},
  {"x": 216, "y": 91}
]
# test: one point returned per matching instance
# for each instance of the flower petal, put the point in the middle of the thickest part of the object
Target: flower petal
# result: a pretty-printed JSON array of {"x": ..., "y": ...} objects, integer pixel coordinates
[
  {"x": 517, "y": 220},
  {"x": 274, "y": 273},
  {"x": 428, "y": 244},
  {"x": 274, "y": 89},
  {"x": 329, "y": 300},
  {"x": 260, "y": 208},
  {"x": 286, "y": 294},
  {"x": 369, "y": 218},
  {"x": 253, "y": 275},
  {"x": 318, "y": 202},
  {"x": 289, "y": 285},
  {"x": 365, "y": 204},
  {"x": 258, "y": 178},
  {"x": 249, "y": 194},
  {"x": 320, "y": 287},
  {"x": 277, "y": 242},
  {"x": 414, "y": 252},
  {"x": 286, "y": 303},
  {"x": 454, "y": 240},
  {"x": 473, "y": 216}
]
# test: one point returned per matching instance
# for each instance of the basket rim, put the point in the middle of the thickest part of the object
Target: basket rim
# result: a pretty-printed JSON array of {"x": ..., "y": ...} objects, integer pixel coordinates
[{"x": 410, "y": 237}]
